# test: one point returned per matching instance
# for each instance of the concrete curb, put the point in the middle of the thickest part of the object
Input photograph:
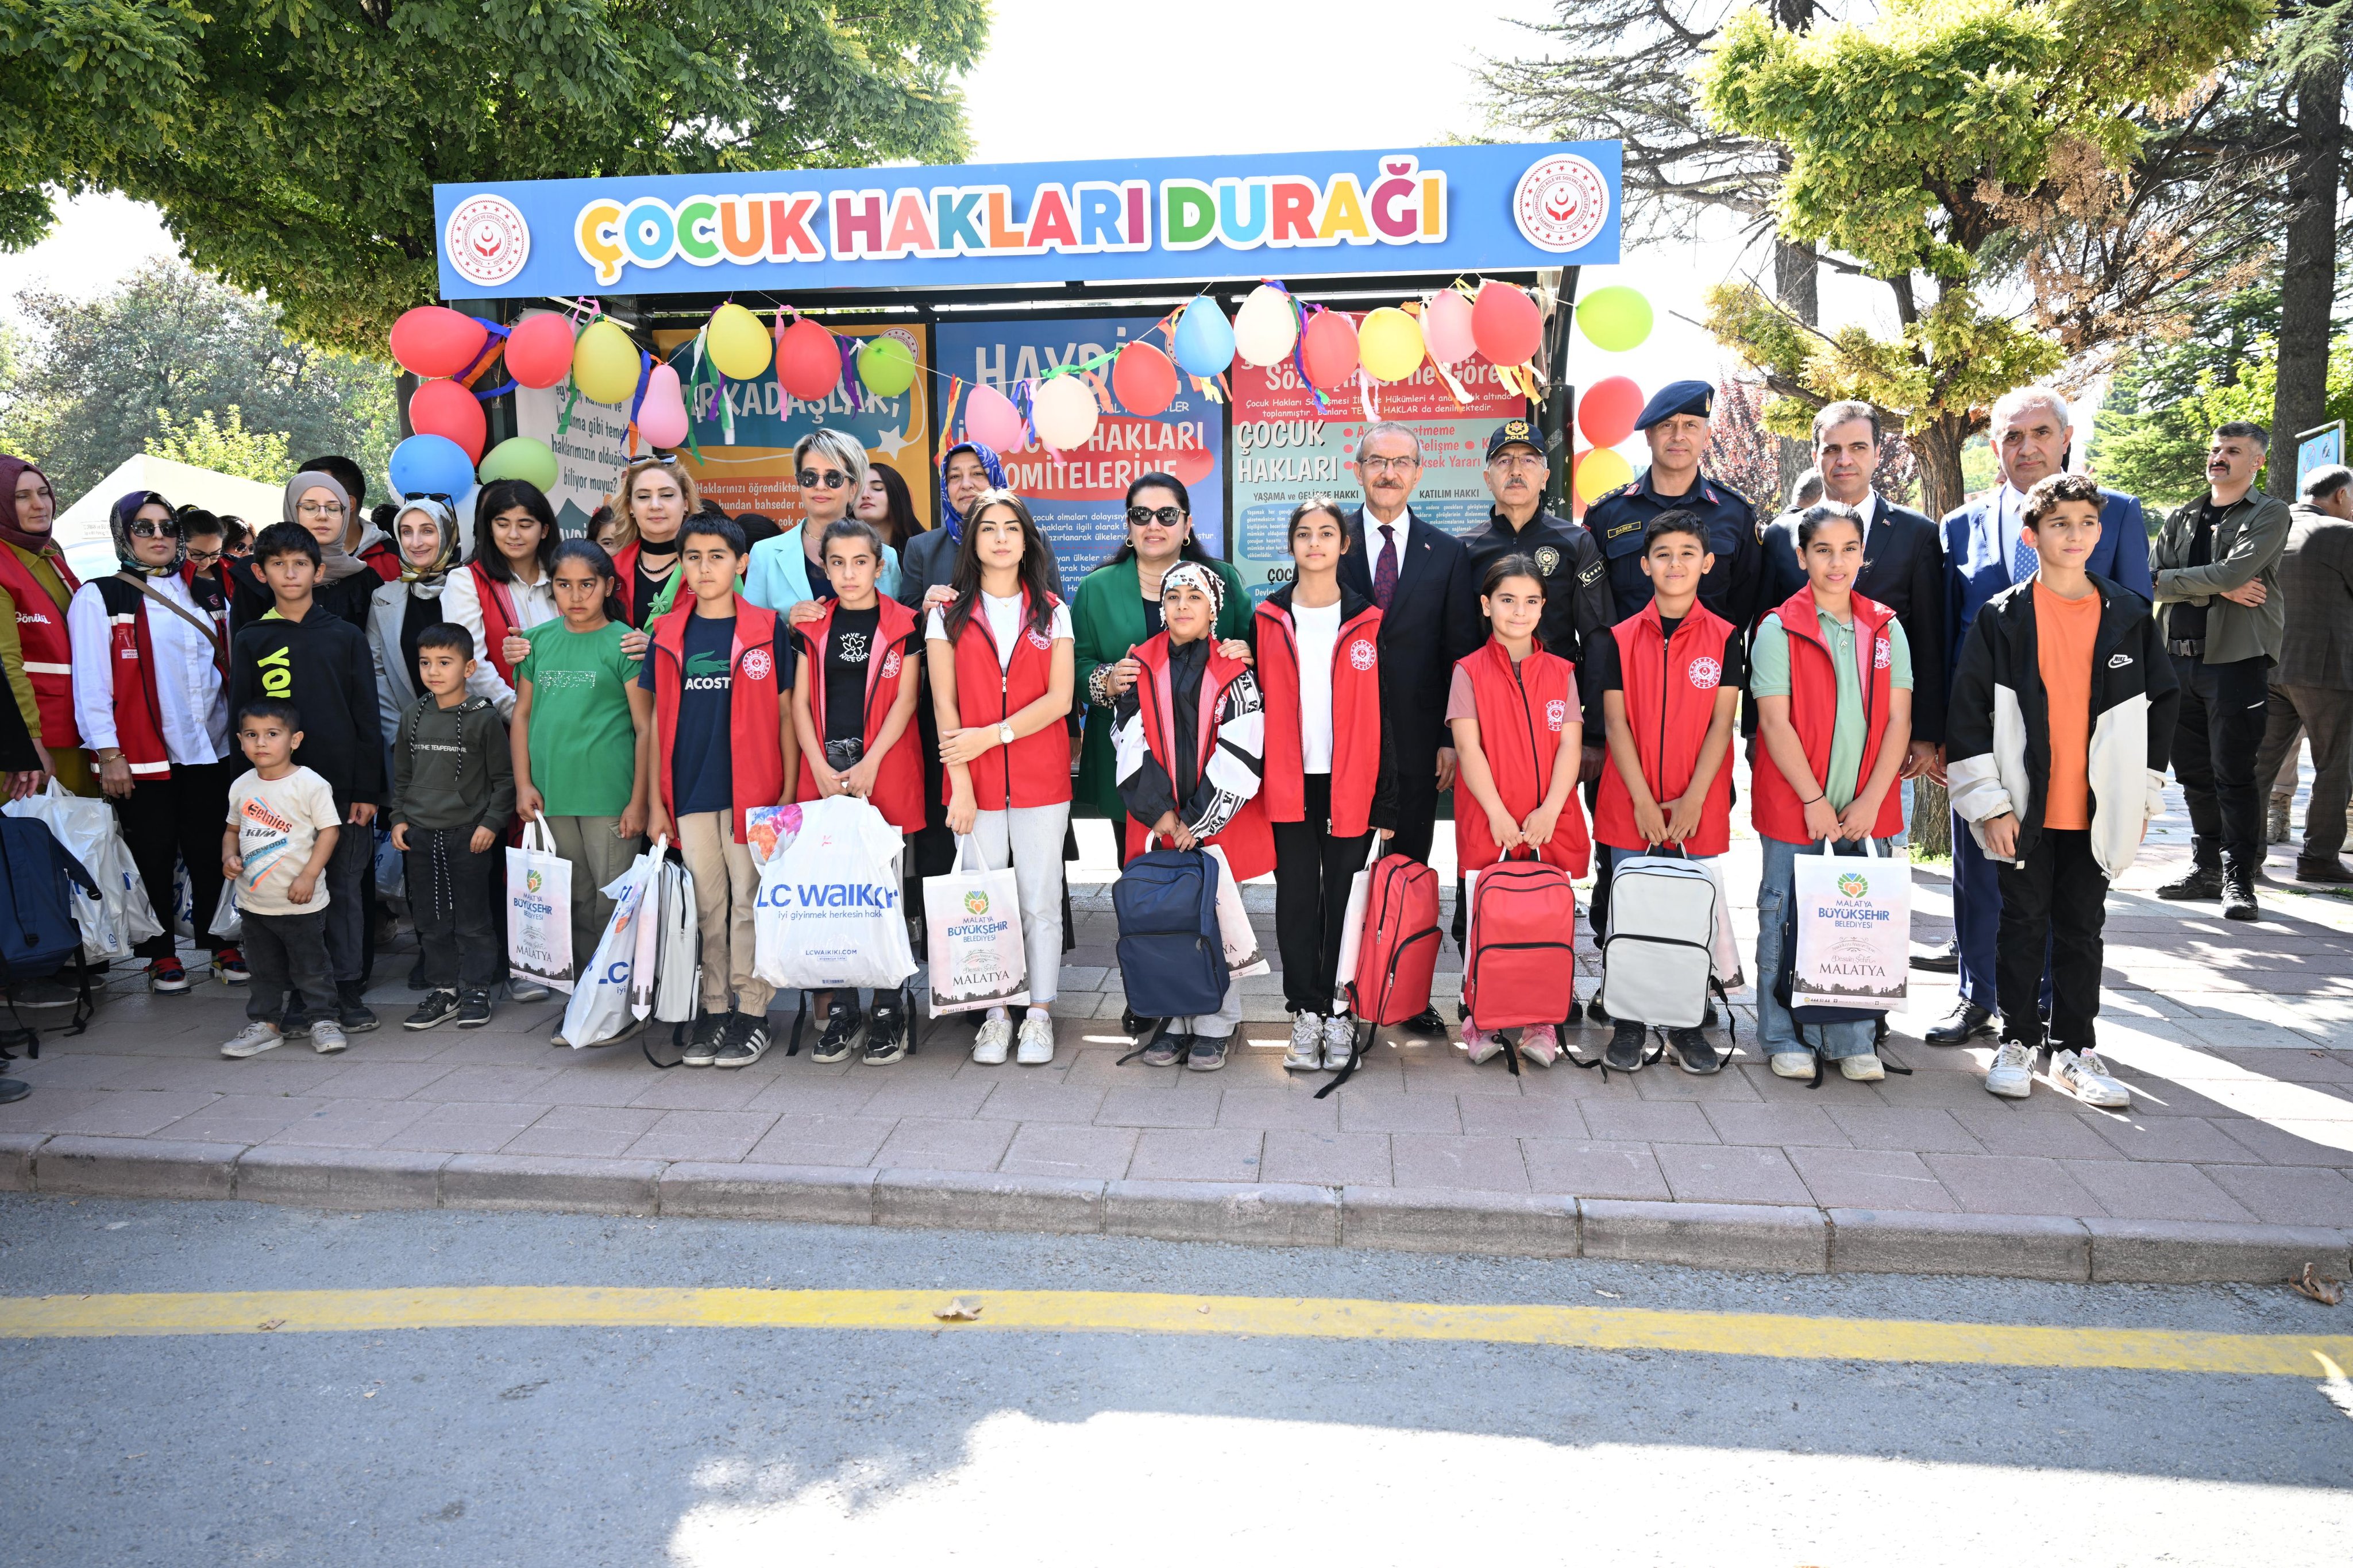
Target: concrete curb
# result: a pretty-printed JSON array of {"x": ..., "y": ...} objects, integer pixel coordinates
[{"x": 1746, "y": 1236}]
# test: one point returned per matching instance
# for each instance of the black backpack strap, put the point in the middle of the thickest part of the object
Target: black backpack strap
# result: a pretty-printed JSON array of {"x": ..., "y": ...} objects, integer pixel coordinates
[
  {"x": 677, "y": 1043},
  {"x": 800, "y": 1017},
  {"x": 1360, "y": 1040},
  {"x": 84, "y": 1004}
]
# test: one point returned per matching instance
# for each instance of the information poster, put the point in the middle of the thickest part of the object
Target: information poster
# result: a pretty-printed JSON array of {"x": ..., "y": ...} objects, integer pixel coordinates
[
  {"x": 1079, "y": 496},
  {"x": 1286, "y": 450}
]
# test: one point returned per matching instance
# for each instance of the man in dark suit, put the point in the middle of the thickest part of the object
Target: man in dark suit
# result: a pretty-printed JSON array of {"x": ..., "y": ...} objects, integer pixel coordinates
[
  {"x": 1985, "y": 555},
  {"x": 2312, "y": 687}
]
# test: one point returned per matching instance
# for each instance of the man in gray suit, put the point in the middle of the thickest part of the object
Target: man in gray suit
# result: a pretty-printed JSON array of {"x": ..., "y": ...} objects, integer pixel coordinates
[{"x": 2312, "y": 686}]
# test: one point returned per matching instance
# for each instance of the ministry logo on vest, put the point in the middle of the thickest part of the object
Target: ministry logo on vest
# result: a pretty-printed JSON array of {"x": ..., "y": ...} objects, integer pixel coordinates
[
  {"x": 1362, "y": 655},
  {"x": 756, "y": 663},
  {"x": 1555, "y": 715},
  {"x": 1707, "y": 673}
]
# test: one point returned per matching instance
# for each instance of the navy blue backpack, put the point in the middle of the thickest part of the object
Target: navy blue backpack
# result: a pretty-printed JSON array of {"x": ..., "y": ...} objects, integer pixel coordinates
[
  {"x": 37, "y": 932},
  {"x": 1172, "y": 958}
]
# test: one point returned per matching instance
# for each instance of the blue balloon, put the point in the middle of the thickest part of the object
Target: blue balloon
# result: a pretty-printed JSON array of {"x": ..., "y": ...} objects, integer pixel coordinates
[
  {"x": 431, "y": 465},
  {"x": 1205, "y": 339}
]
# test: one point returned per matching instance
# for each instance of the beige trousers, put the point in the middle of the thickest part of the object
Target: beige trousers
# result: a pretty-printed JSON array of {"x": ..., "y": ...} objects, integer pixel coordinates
[{"x": 726, "y": 884}]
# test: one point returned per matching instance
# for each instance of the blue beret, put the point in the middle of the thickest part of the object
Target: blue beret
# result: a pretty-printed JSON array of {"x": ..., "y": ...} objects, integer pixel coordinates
[{"x": 1677, "y": 397}]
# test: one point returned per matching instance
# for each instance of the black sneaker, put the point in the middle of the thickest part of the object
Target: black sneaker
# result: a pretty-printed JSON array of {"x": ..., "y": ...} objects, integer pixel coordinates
[
  {"x": 296, "y": 1024},
  {"x": 744, "y": 1042},
  {"x": 439, "y": 1007},
  {"x": 2238, "y": 894},
  {"x": 1166, "y": 1050},
  {"x": 1585, "y": 1012},
  {"x": 703, "y": 1045},
  {"x": 473, "y": 1009},
  {"x": 1206, "y": 1055},
  {"x": 1626, "y": 1042},
  {"x": 1135, "y": 1025},
  {"x": 1693, "y": 1053},
  {"x": 351, "y": 1009},
  {"x": 417, "y": 976},
  {"x": 844, "y": 1028},
  {"x": 886, "y": 1036},
  {"x": 2197, "y": 882}
]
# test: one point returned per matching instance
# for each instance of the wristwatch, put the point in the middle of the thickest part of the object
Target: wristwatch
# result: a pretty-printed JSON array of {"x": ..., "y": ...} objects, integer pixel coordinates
[{"x": 1004, "y": 734}]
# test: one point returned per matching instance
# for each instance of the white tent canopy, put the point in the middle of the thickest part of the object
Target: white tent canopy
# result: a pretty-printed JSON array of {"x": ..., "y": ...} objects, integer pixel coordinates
[{"x": 80, "y": 529}]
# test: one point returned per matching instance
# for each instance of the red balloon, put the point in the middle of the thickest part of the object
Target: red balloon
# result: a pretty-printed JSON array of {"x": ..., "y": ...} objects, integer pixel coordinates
[
  {"x": 539, "y": 350},
  {"x": 808, "y": 365},
  {"x": 447, "y": 409},
  {"x": 1607, "y": 412},
  {"x": 1505, "y": 323},
  {"x": 1328, "y": 347},
  {"x": 434, "y": 340},
  {"x": 1143, "y": 379}
]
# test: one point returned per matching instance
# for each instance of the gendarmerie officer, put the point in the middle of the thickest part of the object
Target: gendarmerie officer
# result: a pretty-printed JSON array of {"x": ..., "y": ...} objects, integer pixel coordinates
[{"x": 1675, "y": 424}]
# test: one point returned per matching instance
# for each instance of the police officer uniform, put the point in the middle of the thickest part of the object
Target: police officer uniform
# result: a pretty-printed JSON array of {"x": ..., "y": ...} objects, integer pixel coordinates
[
  {"x": 1619, "y": 520},
  {"x": 1577, "y": 605}
]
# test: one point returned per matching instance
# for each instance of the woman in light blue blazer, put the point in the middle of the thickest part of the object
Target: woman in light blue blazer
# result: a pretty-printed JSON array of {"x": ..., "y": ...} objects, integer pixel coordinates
[{"x": 786, "y": 570}]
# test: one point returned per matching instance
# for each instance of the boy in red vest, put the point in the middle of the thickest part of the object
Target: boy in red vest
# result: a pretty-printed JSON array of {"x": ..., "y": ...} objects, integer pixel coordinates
[
  {"x": 719, "y": 678},
  {"x": 1833, "y": 679},
  {"x": 1670, "y": 680}
]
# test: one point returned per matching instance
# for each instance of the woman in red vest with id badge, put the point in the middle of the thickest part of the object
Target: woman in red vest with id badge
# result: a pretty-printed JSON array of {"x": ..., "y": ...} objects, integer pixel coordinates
[
  {"x": 1000, "y": 657},
  {"x": 1519, "y": 733}
]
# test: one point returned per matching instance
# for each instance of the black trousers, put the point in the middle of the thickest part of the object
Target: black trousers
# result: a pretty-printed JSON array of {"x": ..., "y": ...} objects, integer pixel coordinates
[
  {"x": 2214, "y": 747},
  {"x": 449, "y": 899},
  {"x": 350, "y": 911},
  {"x": 1417, "y": 807},
  {"x": 287, "y": 955},
  {"x": 168, "y": 820},
  {"x": 1312, "y": 873},
  {"x": 2059, "y": 894}
]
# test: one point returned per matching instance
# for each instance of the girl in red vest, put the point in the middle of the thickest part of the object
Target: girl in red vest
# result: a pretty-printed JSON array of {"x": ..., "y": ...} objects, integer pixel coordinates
[
  {"x": 718, "y": 683},
  {"x": 999, "y": 656},
  {"x": 1328, "y": 782},
  {"x": 1188, "y": 744},
  {"x": 1833, "y": 679},
  {"x": 1669, "y": 679},
  {"x": 1518, "y": 736},
  {"x": 504, "y": 589},
  {"x": 852, "y": 704}
]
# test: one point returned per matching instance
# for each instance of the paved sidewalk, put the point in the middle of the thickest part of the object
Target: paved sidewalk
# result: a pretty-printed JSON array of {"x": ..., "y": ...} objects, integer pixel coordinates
[{"x": 2235, "y": 1161}]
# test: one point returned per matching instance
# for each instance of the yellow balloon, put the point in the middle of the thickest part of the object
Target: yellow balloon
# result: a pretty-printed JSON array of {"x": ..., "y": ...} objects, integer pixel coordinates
[
  {"x": 1388, "y": 345},
  {"x": 605, "y": 364},
  {"x": 740, "y": 346},
  {"x": 1601, "y": 471}
]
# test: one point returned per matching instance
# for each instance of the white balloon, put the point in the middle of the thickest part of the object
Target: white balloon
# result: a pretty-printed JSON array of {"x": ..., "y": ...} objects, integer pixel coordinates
[
  {"x": 1064, "y": 412},
  {"x": 1265, "y": 328}
]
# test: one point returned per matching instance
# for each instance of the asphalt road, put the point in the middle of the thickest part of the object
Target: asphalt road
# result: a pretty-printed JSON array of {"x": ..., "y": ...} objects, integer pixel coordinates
[{"x": 730, "y": 1448}]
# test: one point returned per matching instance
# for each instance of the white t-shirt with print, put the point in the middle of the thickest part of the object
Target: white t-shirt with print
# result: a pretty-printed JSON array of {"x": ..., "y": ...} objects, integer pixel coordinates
[
  {"x": 278, "y": 824},
  {"x": 1004, "y": 624}
]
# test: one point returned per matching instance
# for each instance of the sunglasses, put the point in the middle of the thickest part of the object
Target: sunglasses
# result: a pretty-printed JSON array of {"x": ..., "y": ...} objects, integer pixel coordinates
[
  {"x": 147, "y": 527},
  {"x": 832, "y": 478},
  {"x": 1167, "y": 516}
]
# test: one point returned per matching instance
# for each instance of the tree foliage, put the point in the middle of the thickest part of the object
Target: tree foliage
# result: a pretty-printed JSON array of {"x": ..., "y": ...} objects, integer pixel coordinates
[
  {"x": 101, "y": 380},
  {"x": 2151, "y": 441},
  {"x": 224, "y": 446},
  {"x": 292, "y": 145}
]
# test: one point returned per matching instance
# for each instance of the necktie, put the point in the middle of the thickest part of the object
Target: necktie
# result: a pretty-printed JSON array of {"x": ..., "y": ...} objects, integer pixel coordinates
[
  {"x": 1385, "y": 573},
  {"x": 2023, "y": 561}
]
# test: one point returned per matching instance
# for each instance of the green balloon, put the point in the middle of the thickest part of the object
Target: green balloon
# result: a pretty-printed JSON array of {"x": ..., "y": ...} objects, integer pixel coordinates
[
  {"x": 1616, "y": 318},
  {"x": 886, "y": 366},
  {"x": 520, "y": 458}
]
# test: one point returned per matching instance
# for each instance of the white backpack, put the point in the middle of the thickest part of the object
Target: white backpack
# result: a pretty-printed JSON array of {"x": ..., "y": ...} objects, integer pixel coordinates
[{"x": 1659, "y": 962}]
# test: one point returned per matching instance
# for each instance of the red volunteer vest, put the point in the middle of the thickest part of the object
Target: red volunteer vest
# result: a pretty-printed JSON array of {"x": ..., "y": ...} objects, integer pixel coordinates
[
  {"x": 48, "y": 646},
  {"x": 625, "y": 564},
  {"x": 497, "y": 618},
  {"x": 1670, "y": 691},
  {"x": 384, "y": 559},
  {"x": 755, "y": 730},
  {"x": 1036, "y": 769},
  {"x": 1776, "y": 811},
  {"x": 899, "y": 782},
  {"x": 1355, "y": 720},
  {"x": 1521, "y": 715},
  {"x": 1248, "y": 841},
  {"x": 138, "y": 713}
]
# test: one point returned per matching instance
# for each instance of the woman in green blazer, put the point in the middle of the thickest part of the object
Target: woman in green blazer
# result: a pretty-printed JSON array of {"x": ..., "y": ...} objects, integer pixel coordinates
[{"x": 1118, "y": 607}]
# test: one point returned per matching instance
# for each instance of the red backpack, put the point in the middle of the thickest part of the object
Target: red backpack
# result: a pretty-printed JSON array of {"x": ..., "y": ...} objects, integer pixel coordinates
[
  {"x": 1522, "y": 968},
  {"x": 1396, "y": 956}
]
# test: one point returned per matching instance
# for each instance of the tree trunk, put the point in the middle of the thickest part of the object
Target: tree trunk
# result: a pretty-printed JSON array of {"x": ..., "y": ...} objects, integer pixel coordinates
[
  {"x": 2308, "y": 278},
  {"x": 1797, "y": 283}
]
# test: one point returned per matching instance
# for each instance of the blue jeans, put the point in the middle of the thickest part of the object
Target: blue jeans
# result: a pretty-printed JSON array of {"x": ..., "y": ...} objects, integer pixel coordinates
[{"x": 1774, "y": 1024}]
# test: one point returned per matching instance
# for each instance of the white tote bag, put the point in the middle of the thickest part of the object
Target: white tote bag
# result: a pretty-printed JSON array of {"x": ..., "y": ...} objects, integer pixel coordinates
[
  {"x": 120, "y": 916},
  {"x": 599, "y": 1008},
  {"x": 228, "y": 920},
  {"x": 830, "y": 910},
  {"x": 1854, "y": 930},
  {"x": 972, "y": 921},
  {"x": 678, "y": 946},
  {"x": 539, "y": 909},
  {"x": 1242, "y": 957}
]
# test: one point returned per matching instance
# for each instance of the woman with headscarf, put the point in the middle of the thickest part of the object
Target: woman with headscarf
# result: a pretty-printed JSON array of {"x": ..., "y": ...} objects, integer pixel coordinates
[
  {"x": 35, "y": 585},
  {"x": 151, "y": 700},
  {"x": 426, "y": 532},
  {"x": 317, "y": 502}
]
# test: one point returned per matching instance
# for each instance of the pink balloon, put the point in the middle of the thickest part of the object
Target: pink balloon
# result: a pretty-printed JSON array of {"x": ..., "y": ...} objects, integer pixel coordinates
[
  {"x": 661, "y": 418},
  {"x": 990, "y": 418},
  {"x": 1446, "y": 328}
]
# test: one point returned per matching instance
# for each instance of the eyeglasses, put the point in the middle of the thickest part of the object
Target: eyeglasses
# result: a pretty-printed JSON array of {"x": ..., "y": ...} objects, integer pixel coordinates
[
  {"x": 203, "y": 558},
  {"x": 147, "y": 527},
  {"x": 1388, "y": 465},
  {"x": 1167, "y": 516},
  {"x": 319, "y": 509},
  {"x": 832, "y": 478},
  {"x": 1516, "y": 460}
]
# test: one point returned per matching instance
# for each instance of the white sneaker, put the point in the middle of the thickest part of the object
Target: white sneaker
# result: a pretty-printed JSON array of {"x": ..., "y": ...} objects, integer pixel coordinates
[
  {"x": 1540, "y": 1045},
  {"x": 520, "y": 990},
  {"x": 1793, "y": 1064},
  {"x": 2087, "y": 1078},
  {"x": 2011, "y": 1074},
  {"x": 326, "y": 1036},
  {"x": 1480, "y": 1045},
  {"x": 257, "y": 1036},
  {"x": 1339, "y": 1041},
  {"x": 1306, "y": 1052},
  {"x": 1864, "y": 1069},
  {"x": 1037, "y": 1042},
  {"x": 995, "y": 1035}
]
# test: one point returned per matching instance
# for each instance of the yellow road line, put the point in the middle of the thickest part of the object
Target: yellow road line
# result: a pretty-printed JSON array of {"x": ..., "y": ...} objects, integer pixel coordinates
[{"x": 1775, "y": 1334}]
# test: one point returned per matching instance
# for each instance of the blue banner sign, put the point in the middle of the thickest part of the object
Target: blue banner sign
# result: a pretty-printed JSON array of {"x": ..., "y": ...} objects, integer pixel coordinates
[{"x": 1292, "y": 215}]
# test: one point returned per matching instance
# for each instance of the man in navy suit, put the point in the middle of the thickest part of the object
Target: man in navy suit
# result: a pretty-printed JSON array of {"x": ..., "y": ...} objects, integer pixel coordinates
[{"x": 1985, "y": 555}]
